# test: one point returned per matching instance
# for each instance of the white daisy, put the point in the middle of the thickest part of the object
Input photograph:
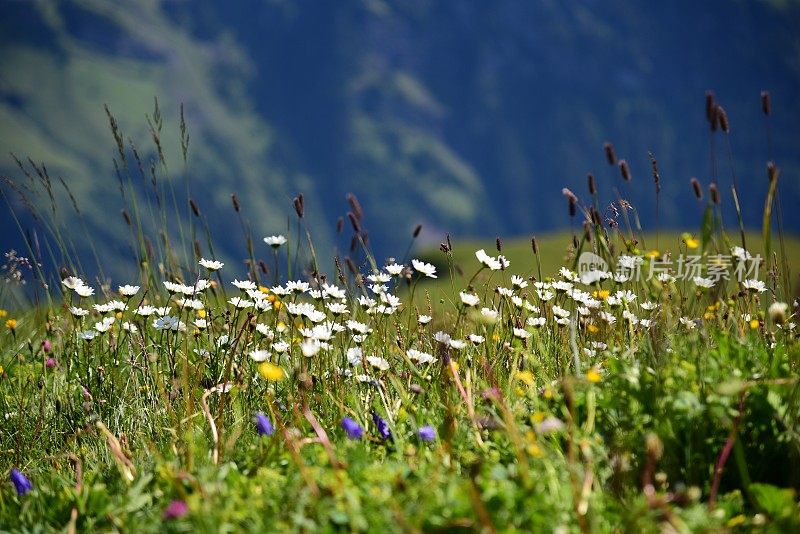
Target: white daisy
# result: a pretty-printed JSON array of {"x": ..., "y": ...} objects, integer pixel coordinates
[
  {"x": 84, "y": 291},
  {"x": 488, "y": 261},
  {"x": 245, "y": 284},
  {"x": 521, "y": 333},
  {"x": 419, "y": 356},
  {"x": 424, "y": 268},
  {"x": 457, "y": 344},
  {"x": 378, "y": 362},
  {"x": 665, "y": 278},
  {"x": 275, "y": 240},
  {"x": 72, "y": 282},
  {"x": 211, "y": 265},
  {"x": 128, "y": 290},
  {"x": 78, "y": 312},
  {"x": 755, "y": 285},
  {"x": 280, "y": 346},
  {"x": 259, "y": 355},
  {"x": 265, "y": 330},
  {"x": 130, "y": 327},
  {"x": 469, "y": 299},
  {"x": 334, "y": 292},
  {"x": 519, "y": 282},
  {"x": 536, "y": 321},
  {"x": 379, "y": 278},
  {"x": 297, "y": 286},
  {"x": 740, "y": 254},
  {"x": 104, "y": 325},
  {"x": 241, "y": 303},
  {"x": 699, "y": 281},
  {"x": 337, "y": 308},
  {"x": 361, "y": 328},
  {"x": 145, "y": 310},
  {"x": 505, "y": 291},
  {"x": 394, "y": 269}
]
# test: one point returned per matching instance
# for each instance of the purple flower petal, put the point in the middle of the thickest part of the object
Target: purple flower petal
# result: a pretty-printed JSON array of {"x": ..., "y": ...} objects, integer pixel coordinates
[
  {"x": 21, "y": 482},
  {"x": 176, "y": 510},
  {"x": 352, "y": 429},
  {"x": 427, "y": 433},
  {"x": 263, "y": 424}
]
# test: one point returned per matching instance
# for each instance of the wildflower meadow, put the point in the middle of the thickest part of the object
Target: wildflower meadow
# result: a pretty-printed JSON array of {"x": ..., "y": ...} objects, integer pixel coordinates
[{"x": 609, "y": 379}]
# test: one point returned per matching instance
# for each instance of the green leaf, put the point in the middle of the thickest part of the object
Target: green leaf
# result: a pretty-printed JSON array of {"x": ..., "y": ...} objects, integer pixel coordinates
[{"x": 777, "y": 502}]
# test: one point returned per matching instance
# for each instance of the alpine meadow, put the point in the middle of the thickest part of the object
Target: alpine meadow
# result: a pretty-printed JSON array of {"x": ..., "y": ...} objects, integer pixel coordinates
[{"x": 247, "y": 360}]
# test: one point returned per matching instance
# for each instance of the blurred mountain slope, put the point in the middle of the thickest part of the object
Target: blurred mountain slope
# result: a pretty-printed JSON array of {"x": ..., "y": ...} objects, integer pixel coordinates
[{"x": 466, "y": 117}]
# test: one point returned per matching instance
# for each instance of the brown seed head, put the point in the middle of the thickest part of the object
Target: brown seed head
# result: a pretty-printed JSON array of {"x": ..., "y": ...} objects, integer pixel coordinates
[
  {"x": 697, "y": 188},
  {"x": 714, "y": 193},
  {"x": 354, "y": 222},
  {"x": 772, "y": 171},
  {"x": 724, "y": 125},
  {"x": 712, "y": 114},
  {"x": 766, "y": 107},
  {"x": 236, "y": 205},
  {"x": 592, "y": 185},
  {"x": 355, "y": 205},
  {"x": 611, "y": 156},
  {"x": 299, "y": 208},
  {"x": 625, "y": 170}
]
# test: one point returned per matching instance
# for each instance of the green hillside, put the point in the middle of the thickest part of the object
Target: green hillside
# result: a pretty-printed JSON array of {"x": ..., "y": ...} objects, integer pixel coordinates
[{"x": 555, "y": 251}]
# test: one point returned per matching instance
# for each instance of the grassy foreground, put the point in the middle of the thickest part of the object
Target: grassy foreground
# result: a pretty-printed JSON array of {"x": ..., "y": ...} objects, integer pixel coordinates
[
  {"x": 567, "y": 404},
  {"x": 529, "y": 389}
]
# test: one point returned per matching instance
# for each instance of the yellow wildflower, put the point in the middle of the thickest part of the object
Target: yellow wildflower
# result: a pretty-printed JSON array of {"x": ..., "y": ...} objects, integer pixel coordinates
[
  {"x": 593, "y": 376},
  {"x": 691, "y": 242},
  {"x": 754, "y": 323},
  {"x": 602, "y": 294},
  {"x": 653, "y": 254},
  {"x": 3, "y": 313},
  {"x": 736, "y": 520},
  {"x": 11, "y": 324},
  {"x": 532, "y": 447},
  {"x": 525, "y": 376},
  {"x": 270, "y": 371},
  {"x": 201, "y": 314},
  {"x": 264, "y": 289},
  {"x": 592, "y": 328},
  {"x": 118, "y": 315}
]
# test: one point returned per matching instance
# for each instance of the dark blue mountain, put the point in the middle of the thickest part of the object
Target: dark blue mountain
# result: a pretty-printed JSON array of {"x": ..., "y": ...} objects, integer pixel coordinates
[{"x": 467, "y": 117}]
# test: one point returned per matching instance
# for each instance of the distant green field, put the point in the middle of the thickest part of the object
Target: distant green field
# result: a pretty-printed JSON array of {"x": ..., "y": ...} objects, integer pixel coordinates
[{"x": 555, "y": 251}]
